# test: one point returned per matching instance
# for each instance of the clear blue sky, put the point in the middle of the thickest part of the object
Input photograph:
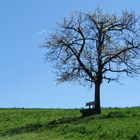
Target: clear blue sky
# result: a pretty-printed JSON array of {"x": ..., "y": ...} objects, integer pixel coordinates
[{"x": 25, "y": 80}]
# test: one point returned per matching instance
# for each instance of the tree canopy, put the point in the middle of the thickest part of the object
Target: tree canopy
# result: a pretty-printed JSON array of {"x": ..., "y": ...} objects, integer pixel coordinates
[{"x": 88, "y": 48}]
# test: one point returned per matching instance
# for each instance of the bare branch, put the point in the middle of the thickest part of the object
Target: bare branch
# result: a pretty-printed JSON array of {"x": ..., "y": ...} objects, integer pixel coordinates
[{"x": 86, "y": 48}]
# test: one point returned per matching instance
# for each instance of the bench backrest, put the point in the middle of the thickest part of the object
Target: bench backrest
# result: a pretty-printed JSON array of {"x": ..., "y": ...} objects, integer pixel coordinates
[{"x": 90, "y": 103}]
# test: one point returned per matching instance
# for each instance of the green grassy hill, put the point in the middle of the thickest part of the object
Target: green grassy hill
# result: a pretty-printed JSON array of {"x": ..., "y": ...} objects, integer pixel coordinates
[{"x": 66, "y": 124}]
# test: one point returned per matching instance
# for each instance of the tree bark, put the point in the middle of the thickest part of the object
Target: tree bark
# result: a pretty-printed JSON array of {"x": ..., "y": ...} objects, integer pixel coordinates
[{"x": 97, "y": 98}]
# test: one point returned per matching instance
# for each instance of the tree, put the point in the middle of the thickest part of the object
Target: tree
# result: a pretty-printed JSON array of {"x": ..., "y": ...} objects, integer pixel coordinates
[{"x": 89, "y": 48}]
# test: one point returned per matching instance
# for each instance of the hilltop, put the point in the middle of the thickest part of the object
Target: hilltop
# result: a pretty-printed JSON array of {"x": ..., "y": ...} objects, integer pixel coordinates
[{"x": 67, "y": 124}]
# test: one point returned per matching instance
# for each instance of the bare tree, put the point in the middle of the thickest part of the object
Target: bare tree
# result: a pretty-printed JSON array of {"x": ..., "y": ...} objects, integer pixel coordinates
[{"x": 90, "y": 48}]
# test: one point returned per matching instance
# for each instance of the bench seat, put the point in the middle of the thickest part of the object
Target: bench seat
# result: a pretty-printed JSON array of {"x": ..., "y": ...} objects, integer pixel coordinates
[{"x": 89, "y": 111}]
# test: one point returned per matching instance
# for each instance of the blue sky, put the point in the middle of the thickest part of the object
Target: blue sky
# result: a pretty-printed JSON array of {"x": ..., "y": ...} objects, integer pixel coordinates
[{"x": 26, "y": 80}]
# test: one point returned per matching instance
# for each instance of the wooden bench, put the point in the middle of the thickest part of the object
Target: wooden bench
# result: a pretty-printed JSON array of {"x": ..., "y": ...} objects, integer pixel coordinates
[
  {"x": 89, "y": 111},
  {"x": 91, "y": 104}
]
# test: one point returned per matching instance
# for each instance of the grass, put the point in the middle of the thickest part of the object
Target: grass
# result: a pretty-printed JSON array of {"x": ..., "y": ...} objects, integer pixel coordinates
[{"x": 67, "y": 124}]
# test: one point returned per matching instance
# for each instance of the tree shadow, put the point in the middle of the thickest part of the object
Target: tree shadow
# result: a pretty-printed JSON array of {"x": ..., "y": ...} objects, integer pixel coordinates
[
  {"x": 64, "y": 120},
  {"x": 115, "y": 114},
  {"x": 39, "y": 126}
]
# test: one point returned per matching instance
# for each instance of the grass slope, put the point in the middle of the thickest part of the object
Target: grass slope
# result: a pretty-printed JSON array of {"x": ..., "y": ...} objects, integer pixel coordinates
[{"x": 66, "y": 124}]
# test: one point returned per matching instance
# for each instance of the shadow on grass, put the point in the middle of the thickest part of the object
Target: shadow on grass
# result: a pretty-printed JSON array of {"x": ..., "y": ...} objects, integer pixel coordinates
[
  {"x": 39, "y": 126},
  {"x": 116, "y": 114},
  {"x": 64, "y": 120}
]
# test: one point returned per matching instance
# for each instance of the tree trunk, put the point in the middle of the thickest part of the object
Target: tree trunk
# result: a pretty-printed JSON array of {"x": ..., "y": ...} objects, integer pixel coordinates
[{"x": 97, "y": 98}]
